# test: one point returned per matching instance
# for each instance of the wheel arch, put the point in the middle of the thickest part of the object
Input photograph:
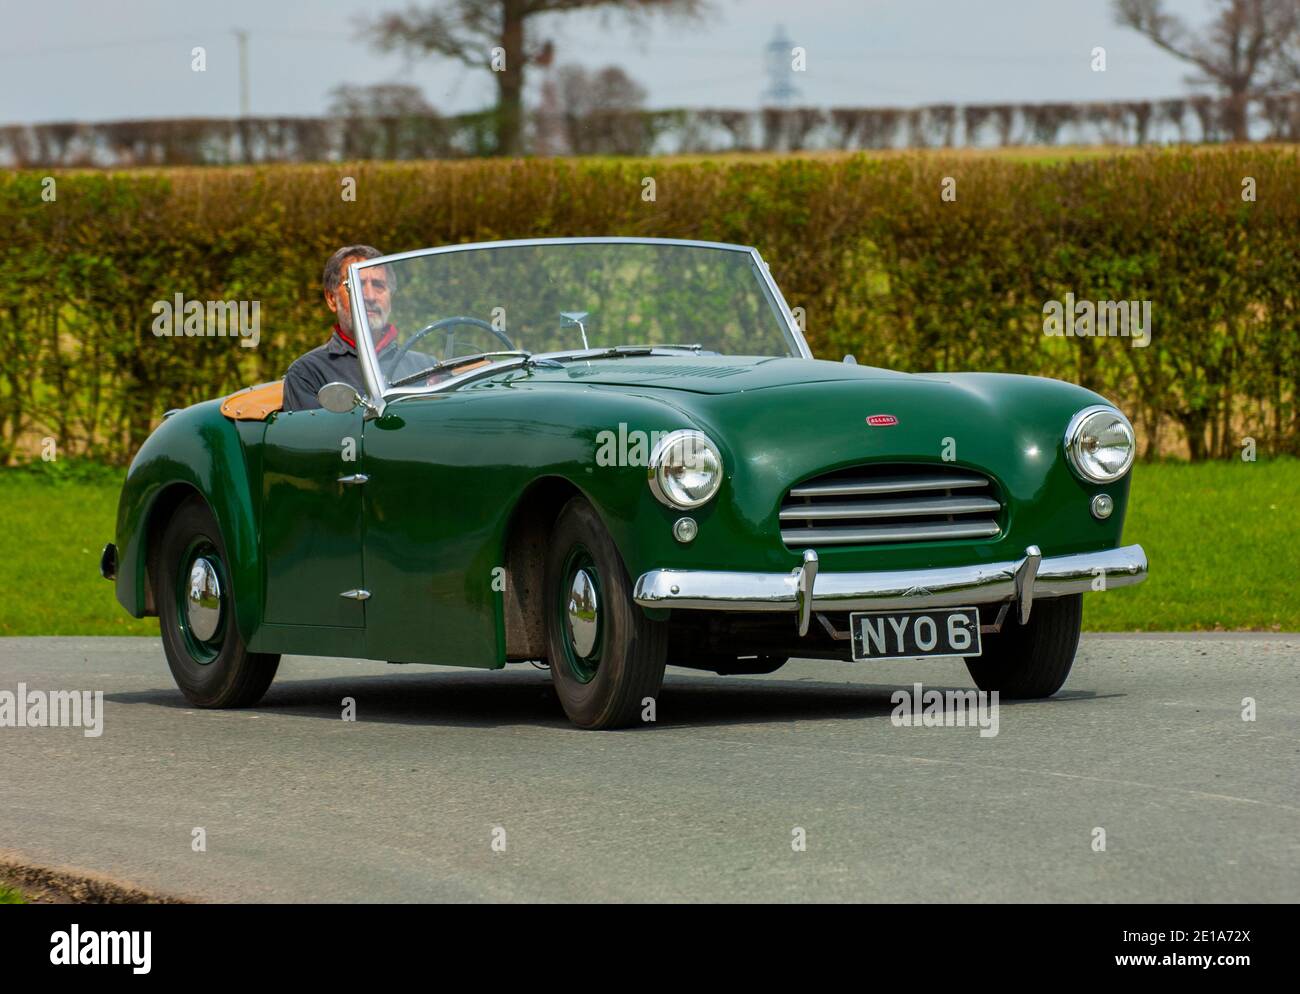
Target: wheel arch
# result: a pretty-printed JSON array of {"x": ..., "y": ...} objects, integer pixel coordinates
[
  {"x": 194, "y": 453},
  {"x": 169, "y": 497},
  {"x": 526, "y": 538}
]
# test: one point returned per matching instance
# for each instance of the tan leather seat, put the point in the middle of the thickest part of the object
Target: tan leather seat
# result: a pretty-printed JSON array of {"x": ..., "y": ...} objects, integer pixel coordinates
[
  {"x": 449, "y": 373},
  {"x": 259, "y": 402},
  {"x": 254, "y": 403}
]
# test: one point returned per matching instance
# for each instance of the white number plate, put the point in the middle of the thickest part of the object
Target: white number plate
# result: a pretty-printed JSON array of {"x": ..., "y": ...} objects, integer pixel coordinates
[{"x": 903, "y": 634}]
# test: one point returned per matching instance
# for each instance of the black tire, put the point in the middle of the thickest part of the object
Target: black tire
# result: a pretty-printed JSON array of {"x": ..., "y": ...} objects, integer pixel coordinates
[
  {"x": 217, "y": 671},
  {"x": 1033, "y": 660},
  {"x": 605, "y": 687}
]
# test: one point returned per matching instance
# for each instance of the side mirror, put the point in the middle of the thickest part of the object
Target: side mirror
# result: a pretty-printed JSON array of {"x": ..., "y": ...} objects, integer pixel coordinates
[{"x": 339, "y": 398}]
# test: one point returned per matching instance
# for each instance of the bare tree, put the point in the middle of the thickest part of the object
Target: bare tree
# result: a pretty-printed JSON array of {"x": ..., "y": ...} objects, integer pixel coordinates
[
  {"x": 1286, "y": 66},
  {"x": 386, "y": 120},
  {"x": 599, "y": 109},
  {"x": 1245, "y": 50},
  {"x": 379, "y": 100},
  {"x": 582, "y": 92},
  {"x": 494, "y": 35}
]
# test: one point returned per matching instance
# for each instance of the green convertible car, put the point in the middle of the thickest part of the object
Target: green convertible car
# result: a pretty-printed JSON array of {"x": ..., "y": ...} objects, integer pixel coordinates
[{"x": 612, "y": 454}]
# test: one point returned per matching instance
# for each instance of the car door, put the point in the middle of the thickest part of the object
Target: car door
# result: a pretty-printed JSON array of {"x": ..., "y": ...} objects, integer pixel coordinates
[
  {"x": 434, "y": 505},
  {"x": 312, "y": 524}
]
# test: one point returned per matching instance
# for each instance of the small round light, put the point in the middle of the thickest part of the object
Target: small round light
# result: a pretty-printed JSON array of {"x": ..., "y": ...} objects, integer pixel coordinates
[
  {"x": 1100, "y": 444},
  {"x": 1102, "y": 506},
  {"x": 685, "y": 469},
  {"x": 685, "y": 530}
]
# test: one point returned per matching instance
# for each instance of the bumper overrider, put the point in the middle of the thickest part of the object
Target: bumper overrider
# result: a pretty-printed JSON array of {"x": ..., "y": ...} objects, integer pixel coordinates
[{"x": 804, "y": 590}]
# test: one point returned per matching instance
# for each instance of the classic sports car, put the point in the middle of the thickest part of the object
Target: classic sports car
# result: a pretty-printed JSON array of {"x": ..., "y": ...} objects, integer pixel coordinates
[{"x": 611, "y": 454}]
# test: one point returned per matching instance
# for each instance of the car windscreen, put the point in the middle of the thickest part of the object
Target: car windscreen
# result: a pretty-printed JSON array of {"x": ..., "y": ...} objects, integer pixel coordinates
[{"x": 564, "y": 297}]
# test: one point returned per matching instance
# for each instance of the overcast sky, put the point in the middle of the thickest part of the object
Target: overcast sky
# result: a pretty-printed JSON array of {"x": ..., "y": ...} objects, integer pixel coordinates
[{"x": 95, "y": 60}]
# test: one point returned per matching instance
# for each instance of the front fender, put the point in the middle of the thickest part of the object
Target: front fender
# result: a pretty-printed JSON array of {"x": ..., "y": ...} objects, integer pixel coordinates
[{"x": 201, "y": 451}]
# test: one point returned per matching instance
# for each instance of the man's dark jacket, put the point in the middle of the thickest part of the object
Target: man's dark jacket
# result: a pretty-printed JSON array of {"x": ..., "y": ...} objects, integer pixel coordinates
[{"x": 334, "y": 362}]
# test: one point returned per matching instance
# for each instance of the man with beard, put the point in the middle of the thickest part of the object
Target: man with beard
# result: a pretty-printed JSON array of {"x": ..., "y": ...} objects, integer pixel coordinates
[{"x": 336, "y": 361}]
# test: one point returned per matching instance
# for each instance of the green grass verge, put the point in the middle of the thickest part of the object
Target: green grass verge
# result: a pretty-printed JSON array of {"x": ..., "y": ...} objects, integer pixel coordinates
[
  {"x": 10, "y": 896},
  {"x": 57, "y": 517},
  {"x": 1223, "y": 540}
]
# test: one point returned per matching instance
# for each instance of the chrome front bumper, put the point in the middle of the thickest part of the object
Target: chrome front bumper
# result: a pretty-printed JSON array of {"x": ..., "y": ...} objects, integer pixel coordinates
[{"x": 804, "y": 589}]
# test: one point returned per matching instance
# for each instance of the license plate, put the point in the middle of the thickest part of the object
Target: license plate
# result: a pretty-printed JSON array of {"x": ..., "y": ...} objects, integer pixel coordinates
[{"x": 904, "y": 634}]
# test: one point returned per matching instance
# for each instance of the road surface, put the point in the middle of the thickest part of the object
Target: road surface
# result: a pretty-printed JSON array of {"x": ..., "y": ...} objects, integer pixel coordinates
[{"x": 465, "y": 785}]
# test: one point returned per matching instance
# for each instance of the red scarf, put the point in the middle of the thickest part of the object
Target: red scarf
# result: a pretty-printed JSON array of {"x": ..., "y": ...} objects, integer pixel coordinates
[{"x": 390, "y": 333}]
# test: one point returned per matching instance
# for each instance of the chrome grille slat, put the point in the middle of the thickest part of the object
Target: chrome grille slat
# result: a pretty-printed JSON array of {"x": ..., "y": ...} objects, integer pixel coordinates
[
  {"x": 871, "y": 534},
  {"x": 886, "y": 485},
  {"x": 892, "y": 508},
  {"x": 870, "y": 505}
]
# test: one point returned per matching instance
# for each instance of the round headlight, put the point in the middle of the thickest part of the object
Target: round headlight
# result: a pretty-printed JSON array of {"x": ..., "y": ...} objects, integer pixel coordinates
[
  {"x": 685, "y": 469},
  {"x": 1100, "y": 444}
]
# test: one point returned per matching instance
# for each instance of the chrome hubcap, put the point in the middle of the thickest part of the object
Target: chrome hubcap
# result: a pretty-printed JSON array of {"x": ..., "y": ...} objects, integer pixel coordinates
[
  {"x": 203, "y": 602},
  {"x": 583, "y": 614}
]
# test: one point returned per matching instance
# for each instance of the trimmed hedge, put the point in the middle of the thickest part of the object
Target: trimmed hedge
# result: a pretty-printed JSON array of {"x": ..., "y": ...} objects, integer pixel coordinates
[{"x": 881, "y": 264}]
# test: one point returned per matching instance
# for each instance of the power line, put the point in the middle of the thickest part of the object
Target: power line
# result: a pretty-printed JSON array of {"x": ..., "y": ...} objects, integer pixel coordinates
[
  {"x": 18, "y": 53},
  {"x": 189, "y": 36},
  {"x": 815, "y": 53}
]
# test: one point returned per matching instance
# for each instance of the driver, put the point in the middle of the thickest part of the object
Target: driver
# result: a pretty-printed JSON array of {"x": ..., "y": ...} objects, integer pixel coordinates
[{"x": 336, "y": 360}]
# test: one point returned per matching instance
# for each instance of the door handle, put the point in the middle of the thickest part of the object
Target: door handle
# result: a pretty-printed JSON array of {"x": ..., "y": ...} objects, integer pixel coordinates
[{"x": 356, "y": 479}]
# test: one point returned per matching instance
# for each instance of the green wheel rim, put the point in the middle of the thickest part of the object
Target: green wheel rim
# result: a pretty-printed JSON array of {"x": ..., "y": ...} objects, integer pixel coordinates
[
  {"x": 580, "y": 614},
  {"x": 202, "y": 599}
]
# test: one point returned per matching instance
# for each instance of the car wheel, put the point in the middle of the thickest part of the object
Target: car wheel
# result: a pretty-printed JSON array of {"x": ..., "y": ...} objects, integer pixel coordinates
[
  {"x": 196, "y": 614},
  {"x": 1032, "y": 660},
  {"x": 606, "y": 656}
]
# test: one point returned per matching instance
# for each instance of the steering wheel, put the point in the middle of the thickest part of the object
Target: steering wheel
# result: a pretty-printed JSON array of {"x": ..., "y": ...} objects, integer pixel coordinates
[{"x": 448, "y": 323}]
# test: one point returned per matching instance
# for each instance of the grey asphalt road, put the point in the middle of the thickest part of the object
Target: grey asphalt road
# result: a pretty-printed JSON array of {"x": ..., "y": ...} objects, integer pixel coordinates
[{"x": 1146, "y": 741}]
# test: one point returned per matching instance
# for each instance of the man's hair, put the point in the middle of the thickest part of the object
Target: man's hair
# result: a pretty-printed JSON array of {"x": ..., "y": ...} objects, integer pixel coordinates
[{"x": 334, "y": 268}]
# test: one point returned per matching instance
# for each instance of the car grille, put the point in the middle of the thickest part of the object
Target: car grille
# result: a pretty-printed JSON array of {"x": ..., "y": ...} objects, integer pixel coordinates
[{"x": 867, "y": 505}]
